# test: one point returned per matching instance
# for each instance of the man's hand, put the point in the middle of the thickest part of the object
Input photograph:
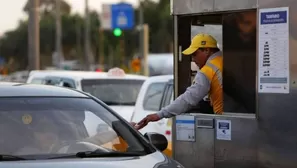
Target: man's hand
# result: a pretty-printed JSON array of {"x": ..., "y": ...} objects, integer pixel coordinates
[
  {"x": 146, "y": 120},
  {"x": 133, "y": 123}
]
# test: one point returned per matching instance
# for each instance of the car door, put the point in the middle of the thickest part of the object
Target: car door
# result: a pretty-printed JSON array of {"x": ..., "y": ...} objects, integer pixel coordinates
[
  {"x": 149, "y": 103},
  {"x": 167, "y": 96}
]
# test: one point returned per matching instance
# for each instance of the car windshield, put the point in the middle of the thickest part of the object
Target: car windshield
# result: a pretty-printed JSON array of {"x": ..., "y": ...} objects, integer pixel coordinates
[
  {"x": 113, "y": 91},
  {"x": 52, "y": 126}
]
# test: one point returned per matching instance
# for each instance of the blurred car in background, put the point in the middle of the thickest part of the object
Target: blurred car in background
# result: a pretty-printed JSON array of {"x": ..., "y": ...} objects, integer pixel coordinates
[
  {"x": 115, "y": 88},
  {"x": 160, "y": 64},
  {"x": 19, "y": 76},
  {"x": 155, "y": 93}
]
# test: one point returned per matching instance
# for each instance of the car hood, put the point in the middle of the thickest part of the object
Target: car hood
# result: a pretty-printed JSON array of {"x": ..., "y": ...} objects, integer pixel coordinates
[
  {"x": 148, "y": 161},
  {"x": 125, "y": 111}
]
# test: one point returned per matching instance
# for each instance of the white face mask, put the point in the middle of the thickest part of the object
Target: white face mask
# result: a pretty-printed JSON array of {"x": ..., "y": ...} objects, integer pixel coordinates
[{"x": 194, "y": 67}]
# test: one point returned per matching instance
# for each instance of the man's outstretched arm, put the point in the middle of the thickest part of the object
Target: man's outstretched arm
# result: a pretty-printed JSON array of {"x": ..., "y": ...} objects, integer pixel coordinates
[
  {"x": 187, "y": 100},
  {"x": 183, "y": 103}
]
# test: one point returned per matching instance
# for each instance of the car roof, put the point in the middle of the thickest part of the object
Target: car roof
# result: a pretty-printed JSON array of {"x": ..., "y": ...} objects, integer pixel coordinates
[
  {"x": 80, "y": 75},
  {"x": 160, "y": 78},
  {"x": 10, "y": 89}
]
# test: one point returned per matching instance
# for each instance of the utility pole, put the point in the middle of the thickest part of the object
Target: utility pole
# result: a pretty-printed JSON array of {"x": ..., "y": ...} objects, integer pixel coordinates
[
  {"x": 33, "y": 36},
  {"x": 58, "y": 33},
  {"x": 88, "y": 55}
]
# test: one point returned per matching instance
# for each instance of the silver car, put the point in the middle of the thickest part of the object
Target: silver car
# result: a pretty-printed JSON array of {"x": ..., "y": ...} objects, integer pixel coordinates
[{"x": 50, "y": 126}]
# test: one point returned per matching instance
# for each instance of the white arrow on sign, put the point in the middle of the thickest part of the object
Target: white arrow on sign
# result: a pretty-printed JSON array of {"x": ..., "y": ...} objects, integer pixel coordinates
[{"x": 122, "y": 19}]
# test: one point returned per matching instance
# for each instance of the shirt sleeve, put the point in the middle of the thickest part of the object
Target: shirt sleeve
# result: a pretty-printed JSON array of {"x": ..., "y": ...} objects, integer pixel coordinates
[
  {"x": 102, "y": 138},
  {"x": 187, "y": 100}
]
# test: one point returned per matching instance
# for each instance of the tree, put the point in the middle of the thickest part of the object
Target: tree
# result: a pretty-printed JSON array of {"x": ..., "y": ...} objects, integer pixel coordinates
[
  {"x": 49, "y": 6},
  {"x": 13, "y": 44},
  {"x": 157, "y": 16}
]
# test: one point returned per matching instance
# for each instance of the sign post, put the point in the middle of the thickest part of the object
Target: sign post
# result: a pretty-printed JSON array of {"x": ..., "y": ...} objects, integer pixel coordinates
[{"x": 118, "y": 17}]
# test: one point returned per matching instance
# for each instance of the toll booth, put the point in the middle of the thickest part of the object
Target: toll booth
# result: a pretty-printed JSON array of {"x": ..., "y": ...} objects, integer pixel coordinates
[{"x": 259, "y": 126}]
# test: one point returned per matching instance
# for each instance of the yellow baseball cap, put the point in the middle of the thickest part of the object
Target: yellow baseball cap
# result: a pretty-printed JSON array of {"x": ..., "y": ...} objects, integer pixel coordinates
[{"x": 201, "y": 41}]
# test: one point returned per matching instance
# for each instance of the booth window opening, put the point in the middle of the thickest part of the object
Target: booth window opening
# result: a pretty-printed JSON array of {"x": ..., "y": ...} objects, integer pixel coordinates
[{"x": 236, "y": 38}]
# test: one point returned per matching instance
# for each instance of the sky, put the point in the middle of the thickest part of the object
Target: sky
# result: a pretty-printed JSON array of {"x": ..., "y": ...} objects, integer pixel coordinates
[{"x": 11, "y": 11}]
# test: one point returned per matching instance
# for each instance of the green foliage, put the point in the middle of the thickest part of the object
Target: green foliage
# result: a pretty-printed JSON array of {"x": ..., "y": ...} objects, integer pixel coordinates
[
  {"x": 14, "y": 43},
  {"x": 48, "y": 6}
]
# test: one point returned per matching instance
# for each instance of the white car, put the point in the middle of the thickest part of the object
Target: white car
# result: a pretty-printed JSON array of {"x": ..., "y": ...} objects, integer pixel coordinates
[
  {"x": 114, "y": 88},
  {"x": 155, "y": 93},
  {"x": 44, "y": 126}
]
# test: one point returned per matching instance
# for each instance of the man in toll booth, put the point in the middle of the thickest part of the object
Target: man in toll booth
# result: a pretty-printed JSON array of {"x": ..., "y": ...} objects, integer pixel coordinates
[{"x": 208, "y": 81}]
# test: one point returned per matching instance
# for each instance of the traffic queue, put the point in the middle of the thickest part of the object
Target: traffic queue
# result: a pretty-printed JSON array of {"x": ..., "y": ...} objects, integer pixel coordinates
[
  {"x": 129, "y": 95},
  {"x": 84, "y": 114}
]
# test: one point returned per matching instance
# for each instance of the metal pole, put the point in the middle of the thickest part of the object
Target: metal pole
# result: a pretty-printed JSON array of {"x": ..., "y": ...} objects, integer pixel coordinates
[
  {"x": 111, "y": 55},
  {"x": 87, "y": 35},
  {"x": 122, "y": 52},
  {"x": 78, "y": 40},
  {"x": 101, "y": 46},
  {"x": 33, "y": 36},
  {"x": 141, "y": 52},
  {"x": 146, "y": 49},
  {"x": 58, "y": 32}
]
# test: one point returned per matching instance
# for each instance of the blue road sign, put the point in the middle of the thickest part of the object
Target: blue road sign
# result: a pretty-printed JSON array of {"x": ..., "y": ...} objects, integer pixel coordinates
[{"x": 122, "y": 15}]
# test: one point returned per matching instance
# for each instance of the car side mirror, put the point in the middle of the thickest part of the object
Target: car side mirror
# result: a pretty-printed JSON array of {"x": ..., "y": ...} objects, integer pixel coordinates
[{"x": 158, "y": 140}]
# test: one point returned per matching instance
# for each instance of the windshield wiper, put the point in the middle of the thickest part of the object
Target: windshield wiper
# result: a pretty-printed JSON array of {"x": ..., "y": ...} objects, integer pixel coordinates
[
  {"x": 119, "y": 103},
  {"x": 110, "y": 103},
  {"x": 90, "y": 154},
  {"x": 10, "y": 158},
  {"x": 107, "y": 154}
]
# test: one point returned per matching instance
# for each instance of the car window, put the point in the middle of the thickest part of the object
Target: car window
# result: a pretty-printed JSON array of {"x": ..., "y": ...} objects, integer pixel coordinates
[
  {"x": 113, "y": 91},
  {"x": 37, "y": 81},
  {"x": 68, "y": 83},
  {"x": 61, "y": 126},
  {"x": 52, "y": 81},
  {"x": 153, "y": 96},
  {"x": 168, "y": 97}
]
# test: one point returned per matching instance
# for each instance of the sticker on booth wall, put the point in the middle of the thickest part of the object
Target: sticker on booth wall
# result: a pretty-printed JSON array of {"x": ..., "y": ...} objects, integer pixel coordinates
[
  {"x": 223, "y": 130},
  {"x": 185, "y": 128}
]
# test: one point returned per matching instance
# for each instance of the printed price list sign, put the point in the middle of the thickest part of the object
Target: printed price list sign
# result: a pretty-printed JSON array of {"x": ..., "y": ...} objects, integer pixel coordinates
[{"x": 273, "y": 51}]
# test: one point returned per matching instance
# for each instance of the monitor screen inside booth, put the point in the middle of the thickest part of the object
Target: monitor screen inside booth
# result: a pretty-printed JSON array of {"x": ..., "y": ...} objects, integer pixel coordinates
[{"x": 236, "y": 37}]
